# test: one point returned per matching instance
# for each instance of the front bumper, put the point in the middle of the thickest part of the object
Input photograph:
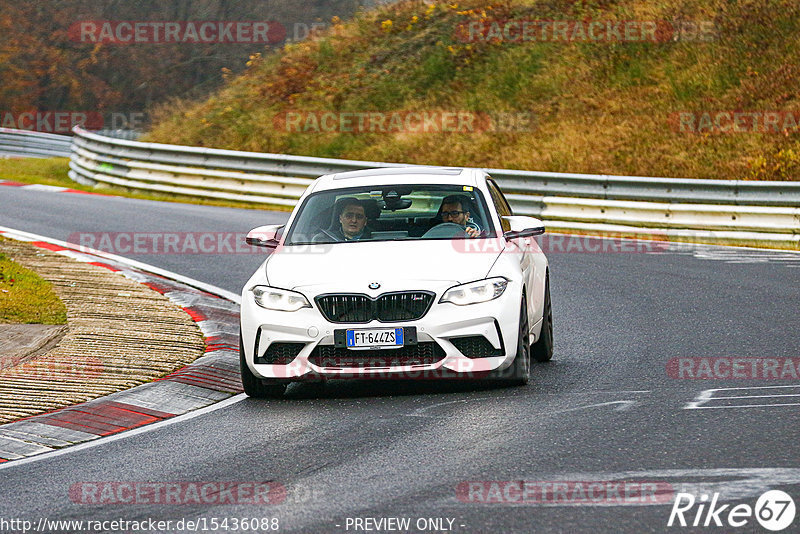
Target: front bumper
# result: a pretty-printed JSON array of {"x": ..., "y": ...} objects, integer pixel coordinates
[{"x": 497, "y": 321}]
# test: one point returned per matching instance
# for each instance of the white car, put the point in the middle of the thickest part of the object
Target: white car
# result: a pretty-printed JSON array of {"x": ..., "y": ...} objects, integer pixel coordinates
[{"x": 410, "y": 272}]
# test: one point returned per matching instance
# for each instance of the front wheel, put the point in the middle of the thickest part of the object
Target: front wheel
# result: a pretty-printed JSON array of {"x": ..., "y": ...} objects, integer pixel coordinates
[
  {"x": 258, "y": 388},
  {"x": 542, "y": 350},
  {"x": 518, "y": 373}
]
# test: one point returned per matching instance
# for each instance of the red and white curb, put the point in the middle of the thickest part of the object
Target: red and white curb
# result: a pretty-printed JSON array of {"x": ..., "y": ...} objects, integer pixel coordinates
[
  {"x": 49, "y": 188},
  {"x": 211, "y": 378}
]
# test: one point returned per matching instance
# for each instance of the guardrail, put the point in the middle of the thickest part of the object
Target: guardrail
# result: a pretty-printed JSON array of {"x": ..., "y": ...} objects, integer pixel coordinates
[
  {"x": 705, "y": 211},
  {"x": 30, "y": 144}
]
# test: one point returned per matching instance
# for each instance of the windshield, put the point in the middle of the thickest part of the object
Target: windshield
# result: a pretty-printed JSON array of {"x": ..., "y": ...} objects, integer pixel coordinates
[{"x": 391, "y": 213}]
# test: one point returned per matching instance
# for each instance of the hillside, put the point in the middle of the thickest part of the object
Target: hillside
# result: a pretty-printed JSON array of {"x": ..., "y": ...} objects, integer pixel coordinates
[
  {"x": 81, "y": 55},
  {"x": 705, "y": 89}
]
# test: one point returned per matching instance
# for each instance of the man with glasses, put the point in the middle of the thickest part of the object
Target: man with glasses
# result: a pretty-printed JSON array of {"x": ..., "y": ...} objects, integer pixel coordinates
[{"x": 455, "y": 209}]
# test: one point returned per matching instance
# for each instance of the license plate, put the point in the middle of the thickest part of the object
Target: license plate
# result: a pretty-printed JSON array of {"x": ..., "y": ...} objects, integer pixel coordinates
[{"x": 375, "y": 337}]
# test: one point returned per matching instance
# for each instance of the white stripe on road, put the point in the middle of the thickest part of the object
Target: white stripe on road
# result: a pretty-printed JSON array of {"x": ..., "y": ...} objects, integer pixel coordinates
[
  {"x": 707, "y": 396},
  {"x": 127, "y": 433}
]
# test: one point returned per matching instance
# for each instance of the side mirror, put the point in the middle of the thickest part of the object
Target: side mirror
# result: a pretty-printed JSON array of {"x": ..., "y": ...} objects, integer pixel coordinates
[
  {"x": 265, "y": 236},
  {"x": 523, "y": 226}
]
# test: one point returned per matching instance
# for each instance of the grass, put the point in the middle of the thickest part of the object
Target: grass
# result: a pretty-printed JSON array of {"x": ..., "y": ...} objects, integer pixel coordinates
[
  {"x": 25, "y": 298},
  {"x": 49, "y": 171},
  {"x": 53, "y": 171},
  {"x": 599, "y": 107}
]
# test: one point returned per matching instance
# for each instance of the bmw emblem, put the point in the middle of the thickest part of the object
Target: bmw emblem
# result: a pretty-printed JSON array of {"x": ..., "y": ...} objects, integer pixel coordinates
[{"x": 374, "y": 285}]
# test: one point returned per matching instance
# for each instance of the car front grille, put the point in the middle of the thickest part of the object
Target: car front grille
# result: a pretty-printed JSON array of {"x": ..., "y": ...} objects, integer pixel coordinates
[
  {"x": 389, "y": 307},
  {"x": 280, "y": 353},
  {"x": 346, "y": 308},
  {"x": 475, "y": 347},
  {"x": 424, "y": 353}
]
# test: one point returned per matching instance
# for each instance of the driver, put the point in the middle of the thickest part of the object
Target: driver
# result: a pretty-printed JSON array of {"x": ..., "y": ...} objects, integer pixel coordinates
[
  {"x": 352, "y": 222},
  {"x": 455, "y": 209}
]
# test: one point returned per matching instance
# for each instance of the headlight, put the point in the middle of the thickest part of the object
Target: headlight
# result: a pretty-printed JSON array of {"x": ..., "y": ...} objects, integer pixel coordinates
[
  {"x": 474, "y": 292},
  {"x": 273, "y": 298}
]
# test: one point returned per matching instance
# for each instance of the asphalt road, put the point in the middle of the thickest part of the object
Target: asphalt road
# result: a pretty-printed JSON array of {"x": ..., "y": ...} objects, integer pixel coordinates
[{"x": 604, "y": 410}]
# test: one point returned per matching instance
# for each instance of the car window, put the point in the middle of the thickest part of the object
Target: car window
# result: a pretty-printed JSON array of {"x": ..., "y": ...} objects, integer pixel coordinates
[
  {"x": 500, "y": 203},
  {"x": 402, "y": 212}
]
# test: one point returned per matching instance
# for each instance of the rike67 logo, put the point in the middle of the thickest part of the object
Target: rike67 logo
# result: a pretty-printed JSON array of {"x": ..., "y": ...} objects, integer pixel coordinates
[{"x": 774, "y": 510}]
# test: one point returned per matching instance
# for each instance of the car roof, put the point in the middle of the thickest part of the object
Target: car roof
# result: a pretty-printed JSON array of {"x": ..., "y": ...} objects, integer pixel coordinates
[{"x": 397, "y": 176}]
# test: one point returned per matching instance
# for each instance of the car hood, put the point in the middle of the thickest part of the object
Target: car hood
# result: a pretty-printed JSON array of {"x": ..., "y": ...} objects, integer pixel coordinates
[{"x": 386, "y": 262}]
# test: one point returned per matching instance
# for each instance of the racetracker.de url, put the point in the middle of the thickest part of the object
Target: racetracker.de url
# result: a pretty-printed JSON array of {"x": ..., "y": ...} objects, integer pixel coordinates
[{"x": 199, "y": 524}]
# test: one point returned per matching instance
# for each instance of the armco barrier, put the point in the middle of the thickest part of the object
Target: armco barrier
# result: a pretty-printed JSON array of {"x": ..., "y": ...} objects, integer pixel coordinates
[
  {"x": 29, "y": 144},
  {"x": 754, "y": 213}
]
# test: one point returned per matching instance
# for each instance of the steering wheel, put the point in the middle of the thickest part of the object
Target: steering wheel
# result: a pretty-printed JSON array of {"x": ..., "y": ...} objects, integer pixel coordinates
[
  {"x": 326, "y": 233},
  {"x": 445, "y": 229}
]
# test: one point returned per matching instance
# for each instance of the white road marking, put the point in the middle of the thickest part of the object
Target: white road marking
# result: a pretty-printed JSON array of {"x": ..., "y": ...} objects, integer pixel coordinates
[
  {"x": 732, "y": 484},
  {"x": 44, "y": 187},
  {"x": 707, "y": 396},
  {"x": 81, "y": 256},
  {"x": 617, "y": 392},
  {"x": 420, "y": 412},
  {"x": 126, "y": 434},
  {"x": 744, "y": 406},
  {"x": 761, "y": 396},
  {"x": 624, "y": 405}
]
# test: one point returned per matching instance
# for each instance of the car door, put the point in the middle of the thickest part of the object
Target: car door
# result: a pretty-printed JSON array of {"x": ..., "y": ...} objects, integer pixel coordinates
[{"x": 527, "y": 248}]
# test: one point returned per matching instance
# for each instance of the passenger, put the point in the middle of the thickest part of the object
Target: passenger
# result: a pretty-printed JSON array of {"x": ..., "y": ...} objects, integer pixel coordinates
[{"x": 455, "y": 209}]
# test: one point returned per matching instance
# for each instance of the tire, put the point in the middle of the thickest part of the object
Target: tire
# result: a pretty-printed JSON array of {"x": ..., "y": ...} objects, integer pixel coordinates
[
  {"x": 542, "y": 350},
  {"x": 518, "y": 373},
  {"x": 255, "y": 387}
]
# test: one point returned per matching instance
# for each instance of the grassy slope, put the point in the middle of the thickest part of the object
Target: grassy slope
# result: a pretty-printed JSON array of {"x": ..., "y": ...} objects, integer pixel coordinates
[
  {"x": 25, "y": 297},
  {"x": 599, "y": 108}
]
